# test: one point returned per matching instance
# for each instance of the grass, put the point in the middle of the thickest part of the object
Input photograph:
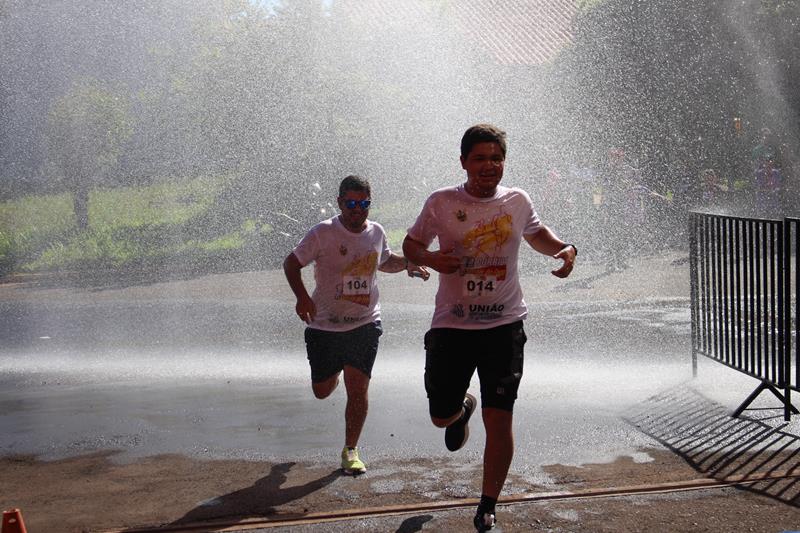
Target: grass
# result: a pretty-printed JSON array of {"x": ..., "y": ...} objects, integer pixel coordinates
[
  {"x": 395, "y": 238},
  {"x": 171, "y": 222},
  {"x": 168, "y": 222},
  {"x": 155, "y": 205},
  {"x": 127, "y": 224},
  {"x": 30, "y": 222}
]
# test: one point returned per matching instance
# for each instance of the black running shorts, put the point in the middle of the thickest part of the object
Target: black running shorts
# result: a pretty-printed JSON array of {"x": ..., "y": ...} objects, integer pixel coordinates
[
  {"x": 329, "y": 351},
  {"x": 453, "y": 355}
]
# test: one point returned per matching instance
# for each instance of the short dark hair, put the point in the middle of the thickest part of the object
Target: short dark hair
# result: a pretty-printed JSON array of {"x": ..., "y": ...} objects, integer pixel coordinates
[
  {"x": 482, "y": 133},
  {"x": 354, "y": 183}
]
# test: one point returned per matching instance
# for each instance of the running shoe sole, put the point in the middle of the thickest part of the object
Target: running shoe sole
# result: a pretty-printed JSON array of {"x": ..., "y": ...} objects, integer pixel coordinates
[{"x": 457, "y": 433}]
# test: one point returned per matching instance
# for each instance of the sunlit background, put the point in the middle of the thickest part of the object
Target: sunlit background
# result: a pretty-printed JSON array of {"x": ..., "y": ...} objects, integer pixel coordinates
[{"x": 208, "y": 135}]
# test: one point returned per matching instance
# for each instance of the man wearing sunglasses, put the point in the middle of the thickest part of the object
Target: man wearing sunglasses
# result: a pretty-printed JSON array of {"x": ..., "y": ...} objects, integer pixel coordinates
[
  {"x": 343, "y": 313},
  {"x": 477, "y": 320}
]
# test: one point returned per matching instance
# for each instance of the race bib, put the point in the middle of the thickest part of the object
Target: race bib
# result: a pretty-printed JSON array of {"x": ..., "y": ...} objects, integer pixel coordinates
[
  {"x": 356, "y": 285},
  {"x": 475, "y": 286}
]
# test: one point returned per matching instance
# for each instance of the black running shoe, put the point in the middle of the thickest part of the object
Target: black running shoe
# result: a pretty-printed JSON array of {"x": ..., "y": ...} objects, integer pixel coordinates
[
  {"x": 457, "y": 433},
  {"x": 484, "y": 521}
]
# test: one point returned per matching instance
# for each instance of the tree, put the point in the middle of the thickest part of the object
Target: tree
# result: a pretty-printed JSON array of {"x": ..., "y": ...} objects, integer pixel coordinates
[
  {"x": 86, "y": 130},
  {"x": 666, "y": 78}
]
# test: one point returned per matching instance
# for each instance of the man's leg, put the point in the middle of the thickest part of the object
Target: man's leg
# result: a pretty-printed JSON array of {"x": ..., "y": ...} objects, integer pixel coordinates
[
  {"x": 499, "y": 450},
  {"x": 323, "y": 360},
  {"x": 323, "y": 389},
  {"x": 362, "y": 349},
  {"x": 500, "y": 375},
  {"x": 444, "y": 422},
  {"x": 356, "y": 383},
  {"x": 448, "y": 371}
]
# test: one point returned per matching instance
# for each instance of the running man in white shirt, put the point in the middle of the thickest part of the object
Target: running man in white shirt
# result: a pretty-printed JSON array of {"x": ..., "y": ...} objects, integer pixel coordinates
[
  {"x": 477, "y": 321},
  {"x": 343, "y": 314}
]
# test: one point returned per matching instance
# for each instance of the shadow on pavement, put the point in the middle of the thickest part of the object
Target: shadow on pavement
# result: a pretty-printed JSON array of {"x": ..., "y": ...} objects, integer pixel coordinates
[
  {"x": 583, "y": 283},
  {"x": 714, "y": 443},
  {"x": 259, "y": 500},
  {"x": 414, "y": 523}
]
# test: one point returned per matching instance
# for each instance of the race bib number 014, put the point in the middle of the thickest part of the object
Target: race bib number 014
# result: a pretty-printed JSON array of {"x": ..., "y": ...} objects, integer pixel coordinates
[{"x": 475, "y": 286}]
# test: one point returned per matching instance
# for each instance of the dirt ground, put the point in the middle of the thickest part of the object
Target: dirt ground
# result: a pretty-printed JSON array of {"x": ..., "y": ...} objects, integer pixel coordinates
[{"x": 97, "y": 493}]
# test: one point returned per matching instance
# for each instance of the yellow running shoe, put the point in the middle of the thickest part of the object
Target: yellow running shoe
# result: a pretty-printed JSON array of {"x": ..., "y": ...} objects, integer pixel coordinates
[{"x": 351, "y": 464}]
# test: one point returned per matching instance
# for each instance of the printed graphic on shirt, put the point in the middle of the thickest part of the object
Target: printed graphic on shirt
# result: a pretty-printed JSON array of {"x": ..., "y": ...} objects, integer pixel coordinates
[
  {"x": 488, "y": 237},
  {"x": 485, "y": 311},
  {"x": 357, "y": 279},
  {"x": 482, "y": 268}
]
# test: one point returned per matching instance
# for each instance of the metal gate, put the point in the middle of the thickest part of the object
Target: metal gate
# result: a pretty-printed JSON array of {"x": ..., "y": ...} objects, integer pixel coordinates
[{"x": 744, "y": 297}]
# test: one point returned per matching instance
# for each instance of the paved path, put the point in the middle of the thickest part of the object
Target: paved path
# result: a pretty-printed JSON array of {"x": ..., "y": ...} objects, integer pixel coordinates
[{"x": 212, "y": 369}]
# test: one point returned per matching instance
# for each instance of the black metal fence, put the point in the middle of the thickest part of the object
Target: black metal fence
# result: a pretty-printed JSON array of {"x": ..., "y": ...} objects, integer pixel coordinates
[{"x": 744, "y": 295}]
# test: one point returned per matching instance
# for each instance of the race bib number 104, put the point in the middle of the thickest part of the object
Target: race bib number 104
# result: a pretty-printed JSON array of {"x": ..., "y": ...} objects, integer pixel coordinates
[{"x": 353, "y": 285}]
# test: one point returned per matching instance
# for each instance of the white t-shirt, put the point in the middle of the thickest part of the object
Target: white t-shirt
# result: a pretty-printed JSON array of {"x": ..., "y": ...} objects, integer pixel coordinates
[
  {"x": 345, "y": 267},
  {"x": 486, "y": 234}
]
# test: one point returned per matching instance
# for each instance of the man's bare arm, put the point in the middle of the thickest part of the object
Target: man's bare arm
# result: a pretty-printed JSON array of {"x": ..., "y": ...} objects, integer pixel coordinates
[
  {"x": 546, "y": 242},
  {"x": 398, "y": 263},
  {"x": 305, "y": 307},
  {"x": 441, "y": 260}
]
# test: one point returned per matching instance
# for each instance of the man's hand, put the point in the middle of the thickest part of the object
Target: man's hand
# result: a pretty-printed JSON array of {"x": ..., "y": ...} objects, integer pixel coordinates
[
  {"x": 441, "y": 260},
  {"x": 567, "y": 254},
  {"x": 415, "y": 271},
  {"x": 444, "y": 261},
  {"x": 306, "y": 309}
]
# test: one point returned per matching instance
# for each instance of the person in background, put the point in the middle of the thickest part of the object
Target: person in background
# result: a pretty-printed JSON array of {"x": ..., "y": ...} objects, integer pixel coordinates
[
  {"x": 615, "y": 223},
  {"x": 343, "y": 313},
  {"x": 713, "y": 187},
  {"x": 477, "y": 320},
  {"x": 767, "y": 166}
]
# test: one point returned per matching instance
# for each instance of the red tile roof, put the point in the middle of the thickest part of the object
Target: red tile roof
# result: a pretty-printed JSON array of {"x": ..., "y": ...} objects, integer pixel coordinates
[
  {"x": 520, "y": 32},
  {"x": 513, "y": 32}
]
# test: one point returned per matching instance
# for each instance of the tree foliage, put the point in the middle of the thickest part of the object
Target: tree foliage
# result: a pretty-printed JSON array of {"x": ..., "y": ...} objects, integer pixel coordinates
[
  {"x": 666, "y": 79},
  {"x": 290, "y": 96},
  {"x": 86, "y": 131}
]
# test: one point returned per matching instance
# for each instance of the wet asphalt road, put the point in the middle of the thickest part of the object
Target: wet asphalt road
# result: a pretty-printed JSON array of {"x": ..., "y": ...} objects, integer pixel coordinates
[
  {"x": 172, "y": 369},
  {"x": 214, "y": 367}
]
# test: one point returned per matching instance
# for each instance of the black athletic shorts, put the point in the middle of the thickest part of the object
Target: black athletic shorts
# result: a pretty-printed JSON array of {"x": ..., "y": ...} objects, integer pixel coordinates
[
  {"x": 329, "y": 351},
  {"x": 453, "y": 355}
]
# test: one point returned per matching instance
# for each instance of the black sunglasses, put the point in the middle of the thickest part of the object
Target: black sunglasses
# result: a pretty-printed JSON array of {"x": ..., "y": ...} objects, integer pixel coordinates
[{"x": 351, "y": 204}]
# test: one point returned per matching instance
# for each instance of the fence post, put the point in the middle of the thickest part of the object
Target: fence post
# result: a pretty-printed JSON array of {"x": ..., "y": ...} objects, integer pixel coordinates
[
  {"x": 693, "y": 284},
  {"x": 787, "y": 317}
]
